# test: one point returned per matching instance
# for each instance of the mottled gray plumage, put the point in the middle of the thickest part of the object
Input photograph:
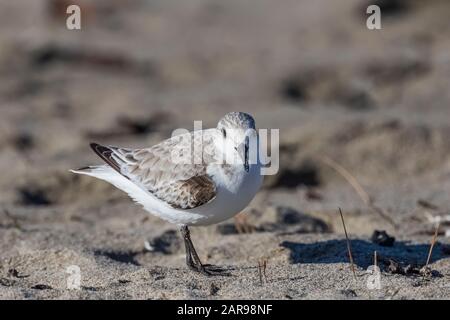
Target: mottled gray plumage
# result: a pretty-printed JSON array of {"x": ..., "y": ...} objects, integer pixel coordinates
[{"x": 180, "y": 185}]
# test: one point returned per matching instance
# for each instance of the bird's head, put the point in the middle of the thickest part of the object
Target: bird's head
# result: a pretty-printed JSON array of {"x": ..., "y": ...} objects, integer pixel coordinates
[{"x": 237, "y": 130}]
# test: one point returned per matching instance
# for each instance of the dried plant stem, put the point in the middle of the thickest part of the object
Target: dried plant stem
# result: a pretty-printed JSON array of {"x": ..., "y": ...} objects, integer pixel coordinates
[
  {"x": 349, "y": 177},
  {"x": 358, "y": 188},
  {"x": 433, "y": 241},
  {"x": 260, "y": 273},
  {"x": 262, "y": 266},
  {"x": 265, "y": 267},
  {"x": 349, "y": 249}
]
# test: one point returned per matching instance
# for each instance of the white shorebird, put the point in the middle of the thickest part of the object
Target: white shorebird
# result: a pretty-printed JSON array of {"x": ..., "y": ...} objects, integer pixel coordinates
[{"x": 189, "y": 193}]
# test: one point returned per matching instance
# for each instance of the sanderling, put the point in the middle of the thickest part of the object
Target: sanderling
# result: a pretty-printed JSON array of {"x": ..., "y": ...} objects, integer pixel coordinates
[{"x": 189, "y": 193}]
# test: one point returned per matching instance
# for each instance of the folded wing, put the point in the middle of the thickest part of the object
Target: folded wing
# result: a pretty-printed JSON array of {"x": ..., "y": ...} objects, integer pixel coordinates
[{"x": 180, "y": 185}]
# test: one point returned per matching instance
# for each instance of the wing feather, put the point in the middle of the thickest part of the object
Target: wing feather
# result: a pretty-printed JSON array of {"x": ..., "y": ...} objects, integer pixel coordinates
[{"x": 180, "y": 185}]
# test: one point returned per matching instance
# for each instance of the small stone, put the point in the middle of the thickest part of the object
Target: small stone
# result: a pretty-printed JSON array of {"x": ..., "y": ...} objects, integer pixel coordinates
[
  {"x": 349, "y": 293},
  {"x": 426, "y": 272},
  {"x": 382, "y": 238},
  {"x": 41, "y": 287},
  {"x": 213, "y": 289}
]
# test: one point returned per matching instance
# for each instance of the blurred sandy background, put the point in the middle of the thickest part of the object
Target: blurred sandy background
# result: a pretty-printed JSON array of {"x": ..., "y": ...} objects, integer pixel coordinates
[{"x": 375, "y": 102}]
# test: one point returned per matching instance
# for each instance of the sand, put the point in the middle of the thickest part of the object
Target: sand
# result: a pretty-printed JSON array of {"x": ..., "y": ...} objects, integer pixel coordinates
[{"x": 375, "y": 102}]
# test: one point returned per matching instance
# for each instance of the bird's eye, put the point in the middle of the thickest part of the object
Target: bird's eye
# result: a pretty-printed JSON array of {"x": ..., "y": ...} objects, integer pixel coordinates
[{"x": 224, "y": 133}]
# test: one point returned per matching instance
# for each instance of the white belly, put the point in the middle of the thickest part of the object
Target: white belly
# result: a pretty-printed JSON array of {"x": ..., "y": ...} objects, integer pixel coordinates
[{"x": 231, "y": 198}]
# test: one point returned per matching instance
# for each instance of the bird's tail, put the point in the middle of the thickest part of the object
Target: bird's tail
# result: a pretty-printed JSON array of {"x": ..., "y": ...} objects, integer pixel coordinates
[
  {"x": 106, "y": 173},
  {"x": 94, "y": 171}
]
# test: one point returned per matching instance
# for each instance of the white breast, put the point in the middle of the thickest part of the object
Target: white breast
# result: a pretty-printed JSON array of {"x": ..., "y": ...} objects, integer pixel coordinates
[{"x": 234, "y": 194}]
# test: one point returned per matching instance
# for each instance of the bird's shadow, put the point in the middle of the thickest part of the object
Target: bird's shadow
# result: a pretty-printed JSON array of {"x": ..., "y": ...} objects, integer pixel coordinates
[
  {"x": 127, "y": 257},
  {"x": 335, "y": 251}
]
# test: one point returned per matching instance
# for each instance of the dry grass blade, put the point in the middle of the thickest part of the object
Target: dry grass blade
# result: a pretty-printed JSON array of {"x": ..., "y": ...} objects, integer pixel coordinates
[
  {"x": 433, "y": 241},
  {"x": 349, "y": 248},
  {"x": 260, "y": 272},
  {"x": 426, "y": 271},
  {"x": 350, "y": 179},
  {"x": 264, "y": 270},
  {"x": 358, "y": 188},
  {"x": 262, "y": 266}
]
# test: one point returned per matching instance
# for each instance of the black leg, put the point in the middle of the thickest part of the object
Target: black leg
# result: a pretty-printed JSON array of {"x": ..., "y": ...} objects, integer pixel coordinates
[
  {"x": 193, "y": 260},
  {"x": 189, "y": 262}
]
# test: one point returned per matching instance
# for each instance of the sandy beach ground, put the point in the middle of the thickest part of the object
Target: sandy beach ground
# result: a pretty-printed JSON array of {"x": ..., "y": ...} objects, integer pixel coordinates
[{"x": 375, "y": 103}]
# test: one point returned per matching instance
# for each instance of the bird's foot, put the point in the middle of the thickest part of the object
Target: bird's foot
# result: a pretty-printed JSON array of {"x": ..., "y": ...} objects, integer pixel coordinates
[
  {"x": 213, "y": 270},
  {"x": 210, "y": 270}
]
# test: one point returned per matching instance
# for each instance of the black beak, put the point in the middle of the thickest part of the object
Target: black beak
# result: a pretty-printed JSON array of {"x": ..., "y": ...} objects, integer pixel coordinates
[{"x": 246, "y": 166}]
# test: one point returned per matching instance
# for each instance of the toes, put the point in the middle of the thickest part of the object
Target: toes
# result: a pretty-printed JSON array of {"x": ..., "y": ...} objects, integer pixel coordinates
[
  {"x": 194, "y": 268},
  {"x": 211, "y": 270},
  {"x": 213, "y": 267}
]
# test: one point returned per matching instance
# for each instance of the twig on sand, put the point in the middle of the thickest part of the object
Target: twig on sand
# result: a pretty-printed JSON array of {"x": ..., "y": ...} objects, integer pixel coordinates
[
  {"x": 262, "y": 266},
  {"x": 368, "y": 201},
  {"x": 433, "y": 241},
  {"x": 426, "y": 270},
  {"x": 349, "y": 177},
  {"x": 264, "y": 269},
  {"x": 260, "y": 272},
  {"x": 349, "y": 248}
]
